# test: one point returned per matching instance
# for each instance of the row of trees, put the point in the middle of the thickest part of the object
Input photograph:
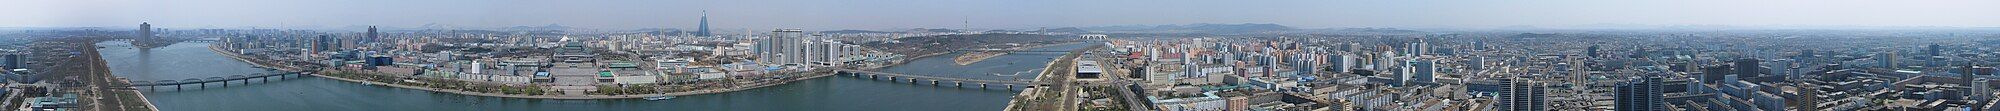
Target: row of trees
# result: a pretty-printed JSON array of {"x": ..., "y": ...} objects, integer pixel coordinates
[{"x": 442, "y": 83}]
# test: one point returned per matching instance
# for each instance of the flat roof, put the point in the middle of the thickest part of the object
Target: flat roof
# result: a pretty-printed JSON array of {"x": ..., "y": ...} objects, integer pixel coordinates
[{"x": 1089, "y": 69}]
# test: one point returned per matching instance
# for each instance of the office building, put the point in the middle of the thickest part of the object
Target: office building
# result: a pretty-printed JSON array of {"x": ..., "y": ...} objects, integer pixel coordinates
[
  {"x": 1590, "y": 52},
  {"x": 1518, "y": 94},
  {"x": 373, "y": 36},
  {"x": 1420, "y": 70},
  {"x": 1641, "y": 94},
  {"x": 1713, "y": 75},
  {"x": 1886, "y": 60},
  {"x": 145, "y": 31},
  {"x": 324, "y": 43},
  {"x": 1748, "y": 69},
  {"x": 13, "y": 61},
  {"x": 574, "y": 52},
  {"x": 1933, "y": 50}
]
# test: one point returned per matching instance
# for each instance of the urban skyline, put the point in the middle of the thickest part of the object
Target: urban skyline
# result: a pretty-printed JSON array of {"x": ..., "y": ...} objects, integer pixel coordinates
[
  {"x": 810, "y": 55},
  {"x": 1003, "y": 14}
]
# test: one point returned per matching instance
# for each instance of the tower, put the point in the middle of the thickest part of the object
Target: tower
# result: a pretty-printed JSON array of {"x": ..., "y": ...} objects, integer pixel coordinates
[
  {"x": 372, "y": 37},
  {"x": 704, "y": 25},
  {"x": 145, "y": 37},
  {"x": 145, "y": 30}
]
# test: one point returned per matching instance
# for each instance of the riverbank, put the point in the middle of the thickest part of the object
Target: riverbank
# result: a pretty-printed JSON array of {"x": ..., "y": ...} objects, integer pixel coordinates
[
  {"x": 461, "y": 92},
  {"x": 975, "y": 57}
]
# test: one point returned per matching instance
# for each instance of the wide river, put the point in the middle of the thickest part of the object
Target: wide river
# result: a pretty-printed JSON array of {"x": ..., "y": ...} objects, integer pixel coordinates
[{"x": 835, "y": 93}]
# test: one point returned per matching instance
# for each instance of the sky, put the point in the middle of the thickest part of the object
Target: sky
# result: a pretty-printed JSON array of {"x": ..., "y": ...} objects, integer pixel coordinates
[{"x": 990, "y": 14}]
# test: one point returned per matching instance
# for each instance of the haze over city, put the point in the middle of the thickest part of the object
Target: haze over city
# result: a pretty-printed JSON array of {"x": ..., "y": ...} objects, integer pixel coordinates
[
  {"x": 1008, "y": 55},
  {"x": 1002, "y": 14}
]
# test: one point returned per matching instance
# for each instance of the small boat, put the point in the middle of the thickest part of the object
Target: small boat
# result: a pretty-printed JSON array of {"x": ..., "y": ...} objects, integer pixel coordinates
[
  {"x": 367, "y": 84},
  {"x": 657, "y": 98}
]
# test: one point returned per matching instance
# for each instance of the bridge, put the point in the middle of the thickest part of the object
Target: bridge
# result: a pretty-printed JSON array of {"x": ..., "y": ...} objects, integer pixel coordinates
[
  {"x": 203, "y": 82},
  {"x": 155, "y": 42},
  {"x": 1010, "y": 50},
  {"x": 934, "y": 80}
]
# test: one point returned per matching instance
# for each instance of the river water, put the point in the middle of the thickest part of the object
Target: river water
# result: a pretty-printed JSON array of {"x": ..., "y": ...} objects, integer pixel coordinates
[{"x": 835, "y": 93}]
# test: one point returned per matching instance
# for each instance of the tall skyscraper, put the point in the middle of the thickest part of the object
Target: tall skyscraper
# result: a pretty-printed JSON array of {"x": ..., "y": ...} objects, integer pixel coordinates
[
  {"x": 1306, "y": 64},
  {"x": 1934, "y": 50},
  {"x": 1748, "y": 69},
  {"x": 324, "y": 43},
  {"x": 1521, "y": 95},
  {"x": 764, "y": 49},
  {"x": 1981, "y": 91},
  {"x": 1342, "y": 62},
  {"x": 1590, "y": 52},
  {"x": 372, "y": 37},
  {"x": 1641, "y": 94},
  {"x": 1422, "y": 70},
  {"x": 13, "y": 61},
  {"x": 704, "y": 25},
  {"x": 145, "y": 38},
  {"x": 145, "y": 31},
  {"x": 1418, "y": 48},
  {"x": 1715, "y": 74},
  {"x": 1887, "y": 59},
  {"x": 1971, "y": 81},
  {"x": 784, "y": 46}
]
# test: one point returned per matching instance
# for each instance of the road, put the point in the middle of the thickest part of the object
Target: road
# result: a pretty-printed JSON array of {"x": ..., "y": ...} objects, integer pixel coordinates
[
  {"x": 1061, "y": 85},
  {"x": 1118, "y": 79},
  {"x": 100, "y": 91}
]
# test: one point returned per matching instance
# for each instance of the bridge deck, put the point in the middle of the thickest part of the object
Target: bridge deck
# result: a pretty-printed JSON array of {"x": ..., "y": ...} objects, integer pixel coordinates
[
  {"x": 939, "y": 78},
  {"x": 1010, "y": 50},
  {"x": 206, "y": 80}
]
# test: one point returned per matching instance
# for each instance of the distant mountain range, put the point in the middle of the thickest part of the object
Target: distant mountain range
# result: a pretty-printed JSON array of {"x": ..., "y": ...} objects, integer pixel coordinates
[
  {"x": 1195, "y": 28},
  {"x": 544, "y": 27},
  {"x": 1198, "y": 28},
  {"x": 851, "y": 31}
]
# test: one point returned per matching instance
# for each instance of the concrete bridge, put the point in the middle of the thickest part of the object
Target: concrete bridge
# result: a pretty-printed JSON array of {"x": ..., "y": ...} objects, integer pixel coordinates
[
  {"x": 157, "y": 42},
  {"x": 1009, "y": 50},
  {"x": 203, "y": 82},
  {"x": 936, "y": 81}
]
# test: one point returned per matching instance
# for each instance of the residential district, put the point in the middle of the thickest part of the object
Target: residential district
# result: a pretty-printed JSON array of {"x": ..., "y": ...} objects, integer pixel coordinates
[{"x": 1370, "y": 69}]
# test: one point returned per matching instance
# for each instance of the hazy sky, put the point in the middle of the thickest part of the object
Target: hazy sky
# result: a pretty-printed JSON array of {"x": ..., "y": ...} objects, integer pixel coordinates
[{"x": 895, "y": 14}]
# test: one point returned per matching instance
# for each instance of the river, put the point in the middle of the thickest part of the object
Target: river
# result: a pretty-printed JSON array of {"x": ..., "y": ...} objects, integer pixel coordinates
[{"x": 835, "y": 93}]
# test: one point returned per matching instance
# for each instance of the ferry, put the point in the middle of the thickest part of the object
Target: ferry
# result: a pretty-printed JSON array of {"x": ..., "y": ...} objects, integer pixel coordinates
[{"x": 657, "y": 98}]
